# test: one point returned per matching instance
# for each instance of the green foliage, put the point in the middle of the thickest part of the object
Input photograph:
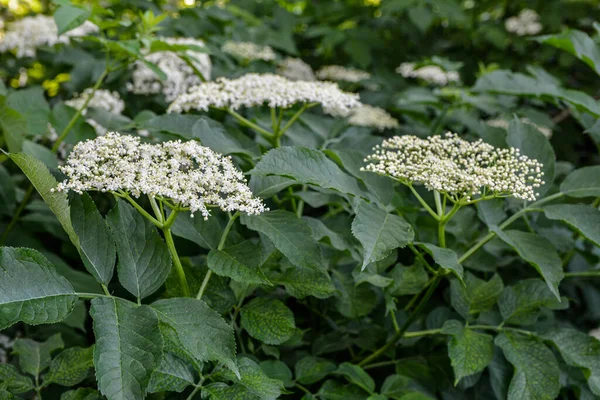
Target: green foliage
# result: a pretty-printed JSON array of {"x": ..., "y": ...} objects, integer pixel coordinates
[
  {"x": 268, "y": 320},
  {"x": 469, "y": 351}
]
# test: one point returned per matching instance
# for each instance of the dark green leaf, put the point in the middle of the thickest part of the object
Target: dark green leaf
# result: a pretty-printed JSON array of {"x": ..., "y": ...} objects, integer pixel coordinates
[
  {"x": 7, "y": 193},
  {"x": 70, "y": 367},
  {"x": 583, "y": 182},
  {"x": 276, "y": 369},
  {"x": 205, "y": 233},
  {"x": 407, "y": 280},
  {"x": 256, "y": 381},
  {"x": 577, "y": 43},
  {"x": 268, "y": 320},
  {"x": 520, "y": 304},
  {"x": 13, "y": 380},
  {"x": 214, "y": 135},
  {"x": 35, "y": 357},
  {"x": 357, "y": 376},
  {"x": 172, "y": 375},
  {"x": 301, "y": 283},
  {"x": 309, "y": 369},
  {"x": 469, "y": 351},
  {"x": 445, "y": 258},
  {"x": 584, "y": 219},
  {"x": 476, "y": 295},
  {"x": 31, "y": 104},
  {"x": 333, "y": 390},
  {"x": 13, "y": 125},
  {"x": 240, "y": 263},
  {"x": 81, "y": 394}
]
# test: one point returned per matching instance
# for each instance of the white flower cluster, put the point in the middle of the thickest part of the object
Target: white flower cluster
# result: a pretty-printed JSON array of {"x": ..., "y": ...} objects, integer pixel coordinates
[
  {"x": 340, "y": 73},
  {"x": 373, "y": 117},
  {"x": 296, "y": 70},
  {"x": 524, "y": 24},
  {"x": 429, "y": 73},
  {"x": 257, "y": 89},
  {"x": 107, "y": 100},
  {"x": 180, "y": 76},
  {"x": 595, "y": 333},
  {"x": 463, "y": 170},
  {"x": 248, "y": 51},
  {"x": 503, "y": 124},
  {"x": 185, "y": 172},
  {"x": 6, "y": 345},
  {"x": 27, "y": 34}
]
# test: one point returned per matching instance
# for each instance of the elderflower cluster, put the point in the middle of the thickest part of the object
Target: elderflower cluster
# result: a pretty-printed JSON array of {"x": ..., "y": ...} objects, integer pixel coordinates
[
  {"x": 595, "y": 333},
  {"x": 296, "y": 70},
  {"x": 186, "y": 173},
  {"x": 340, "y": 73},
  {"x": 248, "y": 51},
  {"x": 524, "y": 24},
  {"x": 253, "y": 90},
  {"x": 373, "y": 117},
  {"x": 180, "y": 76},
  {"x": 429, "y": 73},
  {"x": 104, "y": 99},
  {"x": 27, "y": 34},
  {"x": 503, "y": 124},
  {"x": 463, "y": 170}
]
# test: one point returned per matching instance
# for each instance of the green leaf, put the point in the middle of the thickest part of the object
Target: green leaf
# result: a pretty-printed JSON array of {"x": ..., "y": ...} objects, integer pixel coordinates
[
  {"x": 309, "y": 370},
  {"x": 70, "y": 367},
  {"x": 222, "y": 391},
  {"x": 35, "y": 357},
  {"x": 276, "y": 369},
  {"x": 290, "y": 235},
  {"x": 520, "y": 304},
  {"x": 536, "y": 374},
  {"x": 200, "y": 332},
  {"x": 421, "y": 16},
  {"x": 44, "y": 182},
  {"x": 538, "y": 252},
  {"x": 13, "y": 381},
  {"x": 407, "y": 280},
  {"x": 301, "y": 283},
  {"x": 8, "y": 194},
  {"x": 144, "y": 259},
  {"x": 41, "y": 153},
  {"x": 240, "y": 263},
  {"x": 354, "y": 301},
  {"x": 81, "y": 394},
  {"x": 579, "y": 350},
  {"x": 583, "y": 182},
  {"x": 469, "y": 351},
  {"x": 400, "y": 387},
  {"x": 205, "y": 233},
  {"x": 379, "y": 232},
  {"x": 13, "y": 125},
  {"x": 306, "y": 166},
  {"x": 535, "y": 145},
  {"x": 68, "y": 17},
  {"x": 445, "y": 258},
  {"x": 256, "y": 381},
  {"x": 45, "y": 299},
  {"x": 357, "y": 376},
  {"x": 31, "y": 104},
  {"x": 268, "y": 320},
  {"x": 333, "y": 390},
  {"x": 128, "y": 347},
  {"x": 584, "y": 219},
  {"x": 214, "y": 135},
  {"x": 96, "y": 243},
  {"x": 172, "y": 375},
  {"x": 475, "y": 295},
  {"x": 576, "y": 43}
]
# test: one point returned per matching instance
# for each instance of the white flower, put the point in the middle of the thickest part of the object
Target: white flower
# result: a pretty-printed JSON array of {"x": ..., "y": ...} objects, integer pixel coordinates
[
  {"x": 429, "y": 73},
  {"x": 27, "y": 34},
  {"x": 374, "y": 117},
  {"x": 340, "y": 73},
  {"x": 595, "y": 333},
  {"x": 248, "y": 51},
  {"x": 524, "y": 24},
  {"x": 253, "y": 90},
  {"x": 180, "y": 76},
  {"x": 109, "y": 101},
  {"x": 296, "y": 70},
  {"x": 463, "y": 170},
  {"x": 503, "y": 124},
  {"x": 185, "y": 173}
]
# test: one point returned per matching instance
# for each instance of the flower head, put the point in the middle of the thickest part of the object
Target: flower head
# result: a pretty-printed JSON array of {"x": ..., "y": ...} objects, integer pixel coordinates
[
  {"x": 340, "y": 73},
  {"x": 186, "y": 173},
  {"x": 257, "y": 89},
  {"x": 248, "y": 51},
  {"x": 296, "y": 70},
  {"x": 461, "y": 169},
  {"x": 374, "y": 117},
  {"x": 104, "y": 99},
  {"x": 524, "y": 24},
  {"x": 429, "y": 73}
]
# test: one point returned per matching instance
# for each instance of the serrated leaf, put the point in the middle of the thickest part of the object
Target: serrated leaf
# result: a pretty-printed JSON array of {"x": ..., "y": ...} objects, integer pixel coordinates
[
  {"x": 81, "y": 394},
  {"x": 583, "y": 182},
  {"x": 70, "y": 367},
  {"x": 240, "y": 263},
  {"x": 172, "y": 375},
  {"x": 407, "y": 280},
  {"x": 35, "y": 357},
  {"x": 584, "y": 219},
  {"x": 577, "y": 43},
  {"x": 144, "y": 259},
  {"x": 13, "y": 381},
  {"x": 520, "y": 304},
  {"x": 357, "y": 376},
  {"x": 200, "y": 332},
  {"x": 45, "y": 299},
  {"x": 307, "y": 166},
  {"x": 205, "y": 233},
  {"x": 268, "y": 320},
  {"x": 301, "y": 283},
  {"x": 128, "y": 347},
  {"x": 291, "y": 235},
  {"x": 256, "y": 381},
  {"x": 476, "y": 295},
  {"x": 68, "y": 17},
  {"x": 96, "y": 243},
  {"x": 354, "y": 301},
  {"x": 309, "y": 369},
  {"x": 445, "y": 258},
  {"x": 379, "y": 232},
  {"x": 536, "y": 375},
  {"x": 222, "y": 391},
  {"x": 469, "y": 351}
]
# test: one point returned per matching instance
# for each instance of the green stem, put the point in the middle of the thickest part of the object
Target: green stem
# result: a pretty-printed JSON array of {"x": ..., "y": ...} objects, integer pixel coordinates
[
  {"x": 142, "y": 211},
  {"x": 582, "y": 274},
  {"x": 305, "y": 390},
  {"x": 420, "y": 257},
  {"x": 196, "y": 389},
  {"x": 157, "y": 211},
  {"x": 300, "y": 208},
  {"x": 291, "y": 121},
  {"x": 423, "y": 203},
  {"x": 92, "y": 295},
  {"x": 250, "y": 124},
  {"x": 176, "y": 262},
  {"x": 442, "y": 234}
]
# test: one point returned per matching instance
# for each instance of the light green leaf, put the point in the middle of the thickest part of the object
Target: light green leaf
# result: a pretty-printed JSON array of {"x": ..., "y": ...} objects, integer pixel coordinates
[
  {"x": 576, "y": 43},
  {"x": 357, "y": 376},
  {"x": 584, "y": 219},
  {"x": 144, "y": 259},
  {"x": 301, "y": 283},
  {"x": 128, "y": 347},
  {"x": 256, "y": 381},
  {"x": 268, "y": 320},
  {"x": 205, "y": 233},
  {"x": 520, "y": 304},
  {"x": 309, "y": 369},
  {"x": 70, "y": 367},
  {"x": 240, "y": 263},
  {"x": 45, "y": 299},
  {"x": 421, "y": 16},
  {"x": 172, "y": 375},
  {"x": 445, "y": 258},
  {"x": 291, "y": 235},
  {"x": 536, "y": 374},
  {"x": 200, "y": 332},
  {"x": 583, "y": 182},
  {"x": 35, "y": 357},
  {"x": 13, "y": 380},
  {"x": 69, "y": 17},
  {"x": 307, "y": 166},
  {"x": 379, "y": 232},
  {"x": 476, "y": 295},
  {"x": 81, "y": 394},
  {"x": 469, "y": 351}
]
